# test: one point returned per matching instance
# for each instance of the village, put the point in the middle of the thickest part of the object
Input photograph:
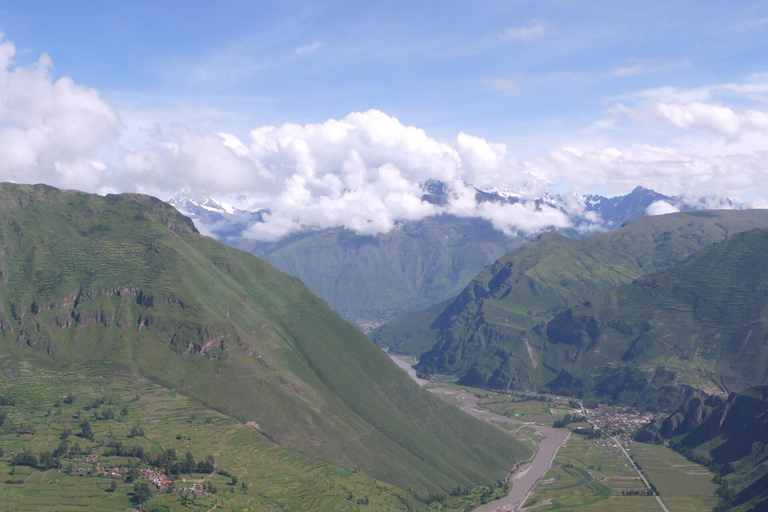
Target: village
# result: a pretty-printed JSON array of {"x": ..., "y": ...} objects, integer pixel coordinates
[
  {"x": 619, "y": 423},
  {"x": 156, "y": 476}
]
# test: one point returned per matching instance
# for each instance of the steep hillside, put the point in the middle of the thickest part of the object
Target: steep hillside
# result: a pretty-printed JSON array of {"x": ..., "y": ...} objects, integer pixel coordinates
[
  {"x": 126, "y": 280},
  {"x": 705, "y": 321},
  {"x": 493, "y": 333}
]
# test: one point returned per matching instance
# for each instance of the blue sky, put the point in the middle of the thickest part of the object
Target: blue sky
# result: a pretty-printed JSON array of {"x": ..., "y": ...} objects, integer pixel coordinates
[
  {"x": 536, "y": 76},
  {"x": 443, "y": 66}
]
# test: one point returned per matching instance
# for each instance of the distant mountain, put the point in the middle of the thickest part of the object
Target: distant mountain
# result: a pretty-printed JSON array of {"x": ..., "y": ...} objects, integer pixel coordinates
[
  {"x": 220, "y": 220},
  {"x": 126, "y": 281},
  {"x": 614, "y": 211},
  {"x": 512, "y": 326},
  {"x": 369, "y": 279},
  {"x": 704, "y": 321},
  {"x": 731, "y": 437}
]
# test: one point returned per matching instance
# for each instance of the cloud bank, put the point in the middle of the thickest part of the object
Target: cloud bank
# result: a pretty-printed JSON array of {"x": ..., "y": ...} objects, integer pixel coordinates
[{"x": 366, "y": 171}]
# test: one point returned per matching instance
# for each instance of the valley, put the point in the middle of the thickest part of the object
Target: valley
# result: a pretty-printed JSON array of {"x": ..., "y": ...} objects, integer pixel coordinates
[{"x": 591, "y": 463}]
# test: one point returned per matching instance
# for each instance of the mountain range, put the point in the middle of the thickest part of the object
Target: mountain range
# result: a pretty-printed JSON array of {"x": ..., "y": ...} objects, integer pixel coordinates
[
  {"x": 597, "y": 316},
  {"x": 370, "y": 279}
]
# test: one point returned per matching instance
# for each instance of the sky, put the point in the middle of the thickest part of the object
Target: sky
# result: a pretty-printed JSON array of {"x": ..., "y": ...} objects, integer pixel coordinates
[{"x": 332, "y": 113}]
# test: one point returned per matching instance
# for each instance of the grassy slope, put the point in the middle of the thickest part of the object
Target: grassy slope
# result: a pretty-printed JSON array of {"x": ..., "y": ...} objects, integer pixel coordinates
[
  {"x": 481, "y": 335},
  {"x": 705, "y": 320},
  {"x": 126, "y": 279}
]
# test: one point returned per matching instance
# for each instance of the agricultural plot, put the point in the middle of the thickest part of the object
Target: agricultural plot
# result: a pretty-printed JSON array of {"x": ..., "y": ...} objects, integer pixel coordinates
[
  {"x": 251, "y": 472},
  {"x": 593, "y": 476},
  {"x": 682, "y": 484},
  {"x": 584, "y": 473},
  {"x": 524, "y": 408}
]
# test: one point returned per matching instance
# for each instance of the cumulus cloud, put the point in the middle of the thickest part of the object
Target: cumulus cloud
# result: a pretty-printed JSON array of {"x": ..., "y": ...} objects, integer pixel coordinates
[
  {"x": 702, "y": 108},
  {"x": 660, "y": 208},
  {"x": 366, "y": 171},
  {"x": 50, "y": 129}
]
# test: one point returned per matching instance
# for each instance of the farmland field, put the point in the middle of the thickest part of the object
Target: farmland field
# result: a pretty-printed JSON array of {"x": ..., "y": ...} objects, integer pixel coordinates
[
  {"x": 268, "y": 477},
  {"x": 591, "y": 476},
  {"x": 682, "y": 484}
]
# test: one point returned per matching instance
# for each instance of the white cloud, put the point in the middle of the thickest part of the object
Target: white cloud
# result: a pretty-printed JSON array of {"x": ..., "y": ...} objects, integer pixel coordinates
[
  {"x": 660, "y": 208},
  {"x": 309, "y": 48},
  {"x": 648, "y": 67},
  {"x": 50, "y": 129},
  {"x": 703, "y": 109},
  {"x": 534, "y": 30},
  {"x": 364, "y": 171}
]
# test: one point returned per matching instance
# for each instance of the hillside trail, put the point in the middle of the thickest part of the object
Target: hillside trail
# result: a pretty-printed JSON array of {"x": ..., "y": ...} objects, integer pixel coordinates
[{"x": 527, "y": 474}]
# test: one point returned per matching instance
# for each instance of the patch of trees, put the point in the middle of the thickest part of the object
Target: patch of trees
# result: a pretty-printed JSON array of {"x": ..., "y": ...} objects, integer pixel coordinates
[
  {"x": 170, "y": 462},
  {"x": 7, "y": 401},
  {"x": 637, "y": 492},
  {"x": 568, "y": 419},
  {"x": 118, "y": 449},
  {"x": 45, "y": 461},
  {"x": 141, "y": 492},
  {"x": 136, "y": 431},
  {"x": 85, "y": 430}
]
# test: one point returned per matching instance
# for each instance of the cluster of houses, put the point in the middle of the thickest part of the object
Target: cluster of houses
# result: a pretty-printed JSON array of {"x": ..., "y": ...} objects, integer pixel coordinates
[{"x": 157, "y": 477}]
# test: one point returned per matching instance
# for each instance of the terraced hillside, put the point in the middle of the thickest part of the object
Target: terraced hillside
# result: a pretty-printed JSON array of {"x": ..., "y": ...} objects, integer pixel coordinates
[{"x": 126, "y": 280}]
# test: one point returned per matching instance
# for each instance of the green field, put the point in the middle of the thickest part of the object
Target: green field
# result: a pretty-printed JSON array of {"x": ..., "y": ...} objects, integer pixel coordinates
[
  {"x": 275, "y": 478},
  {"x": 592, "y": 478},
  {"x": 682, "y": 484},
  {"x": 524, "y": 406}
]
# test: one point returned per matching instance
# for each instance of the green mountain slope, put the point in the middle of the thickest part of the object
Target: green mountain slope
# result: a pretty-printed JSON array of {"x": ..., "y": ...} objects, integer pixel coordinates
[
  {"x": 126, "y": 280},
  {"x": 493, "y": 333},
  {"x": 705, "y": 321},
  {"x": 370, "y": 279}
]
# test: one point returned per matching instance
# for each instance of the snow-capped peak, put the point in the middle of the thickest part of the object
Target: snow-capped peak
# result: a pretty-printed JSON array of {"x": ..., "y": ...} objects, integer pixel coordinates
[{"x": 193, "y": 205}]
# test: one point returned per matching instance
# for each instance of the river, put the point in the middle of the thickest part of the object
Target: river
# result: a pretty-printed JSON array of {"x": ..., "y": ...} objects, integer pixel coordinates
[{"x": 527, "y": 474}]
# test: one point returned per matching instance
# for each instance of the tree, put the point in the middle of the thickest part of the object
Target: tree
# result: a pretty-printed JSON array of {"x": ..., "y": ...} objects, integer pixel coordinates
[
  {"x": 132, "y": 474},
  {"x": 142, "y": 492},
  {"x": 112, "y": 486},
  {"x": 136, "y": 431},
  {"x": 87, "y": 432},
  {"x": 48, "y": 460}
]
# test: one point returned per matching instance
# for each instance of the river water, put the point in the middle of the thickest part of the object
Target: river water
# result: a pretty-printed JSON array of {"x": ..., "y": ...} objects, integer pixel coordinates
[{"x": 527, "y": 474}]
